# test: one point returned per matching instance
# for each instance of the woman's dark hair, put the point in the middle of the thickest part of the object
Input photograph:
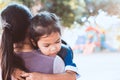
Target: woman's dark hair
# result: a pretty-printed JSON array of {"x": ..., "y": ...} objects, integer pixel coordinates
[
  {"x": 15, "y": 23},
  {"x": 44, "y": 23}
]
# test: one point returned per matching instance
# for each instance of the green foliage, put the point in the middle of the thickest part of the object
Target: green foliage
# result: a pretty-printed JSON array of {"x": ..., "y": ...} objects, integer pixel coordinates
[
  {"x": 28, "y": 3},
  {"x": 62, "y": 9},
  {"x": 59, "y": 7}
]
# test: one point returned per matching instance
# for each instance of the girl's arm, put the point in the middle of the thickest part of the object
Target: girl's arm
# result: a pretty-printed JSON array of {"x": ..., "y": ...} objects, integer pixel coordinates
[{"x": 68, "y": 75}]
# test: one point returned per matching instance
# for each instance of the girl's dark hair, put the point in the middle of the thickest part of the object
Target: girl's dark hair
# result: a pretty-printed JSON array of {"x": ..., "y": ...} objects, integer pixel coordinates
[
  {"x": 44, "y": 23},
  {"x": 15, "y": 23}
]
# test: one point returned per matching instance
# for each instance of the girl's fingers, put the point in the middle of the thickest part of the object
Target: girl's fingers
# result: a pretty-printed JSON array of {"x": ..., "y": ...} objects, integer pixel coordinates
[
  {"x": 17, "y": 78},
  {"x": 20, "y": 78},
  {"x": 25, "y": 75}
]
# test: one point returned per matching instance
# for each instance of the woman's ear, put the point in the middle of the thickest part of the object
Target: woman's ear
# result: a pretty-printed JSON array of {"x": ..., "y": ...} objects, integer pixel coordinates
[{"x": 33, "y": 43}]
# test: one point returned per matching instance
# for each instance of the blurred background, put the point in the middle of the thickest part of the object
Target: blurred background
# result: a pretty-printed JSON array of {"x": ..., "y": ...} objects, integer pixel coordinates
[{"x": 91, "y": 28}]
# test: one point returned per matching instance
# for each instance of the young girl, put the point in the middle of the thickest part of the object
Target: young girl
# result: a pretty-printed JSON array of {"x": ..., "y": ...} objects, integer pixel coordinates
[{"x": 45, "y": 34}]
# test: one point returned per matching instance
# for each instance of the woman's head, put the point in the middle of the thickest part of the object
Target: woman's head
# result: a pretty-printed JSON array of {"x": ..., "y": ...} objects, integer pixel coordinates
[
  {"x": 44, "y": 27},
  {"x": 15, "y": 23},
  {"x": 16, "y": 19}
]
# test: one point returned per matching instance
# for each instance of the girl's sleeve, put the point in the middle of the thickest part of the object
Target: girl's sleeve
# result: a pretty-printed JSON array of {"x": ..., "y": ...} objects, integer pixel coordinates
[{"x": 69, "y": 64}]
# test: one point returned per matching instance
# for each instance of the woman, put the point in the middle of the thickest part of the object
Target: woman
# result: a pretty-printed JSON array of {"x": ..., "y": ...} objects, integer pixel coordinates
[{"x": 15, "y": 23}]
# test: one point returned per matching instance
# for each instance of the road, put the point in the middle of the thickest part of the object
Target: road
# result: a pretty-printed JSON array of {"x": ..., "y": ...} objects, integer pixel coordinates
[{"x": 98, "y": 66}]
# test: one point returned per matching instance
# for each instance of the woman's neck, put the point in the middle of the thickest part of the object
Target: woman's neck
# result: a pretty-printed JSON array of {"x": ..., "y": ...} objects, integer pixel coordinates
[{"x": 23, "y": 48}]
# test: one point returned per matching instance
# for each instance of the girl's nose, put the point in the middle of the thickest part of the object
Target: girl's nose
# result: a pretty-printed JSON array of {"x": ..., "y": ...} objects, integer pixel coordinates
[{"x": 53, "y": 49}]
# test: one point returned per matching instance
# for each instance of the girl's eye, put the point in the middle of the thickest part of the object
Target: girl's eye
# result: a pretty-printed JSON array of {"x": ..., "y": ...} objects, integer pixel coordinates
[
  {"x": 46, "y": 45},
  {"x": 58, "y": 41}
]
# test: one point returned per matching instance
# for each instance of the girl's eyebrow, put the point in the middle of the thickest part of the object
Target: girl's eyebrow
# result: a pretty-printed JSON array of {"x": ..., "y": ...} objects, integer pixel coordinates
[
  {"x": 54, "y": 42},
  {"x": 57, "y": 39}
]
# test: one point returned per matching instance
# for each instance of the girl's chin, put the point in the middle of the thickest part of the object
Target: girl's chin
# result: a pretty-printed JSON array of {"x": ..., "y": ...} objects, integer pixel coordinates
[{"x": 52, "y": 55}]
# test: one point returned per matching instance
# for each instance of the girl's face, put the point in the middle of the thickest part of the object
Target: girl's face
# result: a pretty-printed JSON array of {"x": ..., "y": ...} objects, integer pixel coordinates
[{"x": 50, "y": 45}]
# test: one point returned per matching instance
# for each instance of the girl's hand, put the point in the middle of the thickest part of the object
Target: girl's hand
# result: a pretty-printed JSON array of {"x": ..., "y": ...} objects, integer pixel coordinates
[
  {"x": 17, "y": 74},
  {"x": 32, "y": 76}
]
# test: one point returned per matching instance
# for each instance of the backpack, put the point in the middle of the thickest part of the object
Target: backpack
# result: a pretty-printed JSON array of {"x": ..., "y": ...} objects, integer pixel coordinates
[{"x": 65, "y": 47}]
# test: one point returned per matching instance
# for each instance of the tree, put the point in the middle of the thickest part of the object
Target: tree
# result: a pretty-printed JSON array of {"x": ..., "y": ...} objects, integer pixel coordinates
[
  {"x": 110, "y": 6},
  {"x": 28, "y": 3},
  {"x": 62, "y": 9}
]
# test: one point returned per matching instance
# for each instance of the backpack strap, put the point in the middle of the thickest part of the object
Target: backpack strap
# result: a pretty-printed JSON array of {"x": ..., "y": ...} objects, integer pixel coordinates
[
  {"x": 62, "y": 53},
  {"x": 64, "y": 50}
]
